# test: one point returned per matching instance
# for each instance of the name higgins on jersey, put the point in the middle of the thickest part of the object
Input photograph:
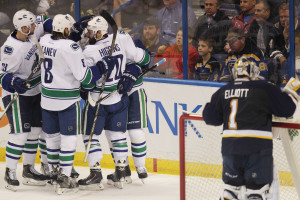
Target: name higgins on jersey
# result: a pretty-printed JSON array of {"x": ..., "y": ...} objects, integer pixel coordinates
[
  {"x": 105, "y": 51},
  {"x": 236, "y": 93}
]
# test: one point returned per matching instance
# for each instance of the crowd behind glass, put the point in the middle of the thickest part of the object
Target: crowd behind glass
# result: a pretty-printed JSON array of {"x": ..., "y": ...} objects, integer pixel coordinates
[{"x": 220, "y": 32}]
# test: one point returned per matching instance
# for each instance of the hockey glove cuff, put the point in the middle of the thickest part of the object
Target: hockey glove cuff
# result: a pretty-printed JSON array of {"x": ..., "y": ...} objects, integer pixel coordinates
[
  {"x": 276, "y": 55},
  {"x": 19, "y": 85},
  {"x": 128, "y": 78},
  {"x": 6, "y": 82}
]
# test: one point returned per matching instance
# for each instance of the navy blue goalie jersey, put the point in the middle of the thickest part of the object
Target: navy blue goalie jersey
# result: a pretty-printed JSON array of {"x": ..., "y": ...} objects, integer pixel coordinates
[{"x": 245, "y": 109}]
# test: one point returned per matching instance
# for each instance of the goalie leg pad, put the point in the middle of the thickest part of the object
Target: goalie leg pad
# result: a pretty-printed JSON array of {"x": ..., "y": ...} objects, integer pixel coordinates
[
  {"x": 293, "y": 88},
  {"x": 261, "y": 194},
  {"x": 231, "y": 192}
]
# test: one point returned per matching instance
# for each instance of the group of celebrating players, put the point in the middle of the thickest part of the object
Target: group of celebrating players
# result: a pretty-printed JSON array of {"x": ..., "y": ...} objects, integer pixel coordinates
[{"x": 75, "y": 59}]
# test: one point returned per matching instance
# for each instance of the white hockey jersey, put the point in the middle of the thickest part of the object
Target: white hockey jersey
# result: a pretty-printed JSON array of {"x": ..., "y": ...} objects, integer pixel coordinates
[
  {"x": 18, "y": 58},
  {"x": 62, "y": 72},
  {"x": 124, "y": 50}
]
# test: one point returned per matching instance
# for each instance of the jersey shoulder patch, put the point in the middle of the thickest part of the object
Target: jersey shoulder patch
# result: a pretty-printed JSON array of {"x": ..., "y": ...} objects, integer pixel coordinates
[
  {"x": 75, "y": 46},
  {"x": 8, "y": 50}
]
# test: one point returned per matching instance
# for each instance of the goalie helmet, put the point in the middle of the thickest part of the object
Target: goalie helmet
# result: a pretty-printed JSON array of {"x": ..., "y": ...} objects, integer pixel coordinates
[
  {"x": 245, "y": 67},
  {"x": 98, "y": 23},
  {"x": 23, "y": 18},
  {"x": 60, "y": 22}
]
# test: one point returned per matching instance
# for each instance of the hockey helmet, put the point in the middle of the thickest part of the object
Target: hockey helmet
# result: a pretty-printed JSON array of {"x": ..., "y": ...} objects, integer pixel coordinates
[
  {"x": 245, "y": 67},
  {"x": 98, "y": 23},
  {"x": 23, "y": 18},
  {"x": 60, "y": 22}
]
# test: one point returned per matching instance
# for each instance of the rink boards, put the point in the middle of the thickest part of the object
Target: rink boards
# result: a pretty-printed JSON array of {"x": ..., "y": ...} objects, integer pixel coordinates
[{"x": 167, "y": 100}]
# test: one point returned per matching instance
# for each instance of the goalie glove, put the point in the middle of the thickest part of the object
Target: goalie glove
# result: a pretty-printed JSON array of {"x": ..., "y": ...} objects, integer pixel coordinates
[
  {"x": 293, "y": 88},
  {"x": 128, "y": 78}
]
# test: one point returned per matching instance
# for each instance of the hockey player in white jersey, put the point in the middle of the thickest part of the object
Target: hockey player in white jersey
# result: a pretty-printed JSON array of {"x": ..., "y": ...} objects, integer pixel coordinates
[
  {"x": 112, "y": 115},
  {"x": 18, "y": 55},
  {"x": 63, "y": 71}
]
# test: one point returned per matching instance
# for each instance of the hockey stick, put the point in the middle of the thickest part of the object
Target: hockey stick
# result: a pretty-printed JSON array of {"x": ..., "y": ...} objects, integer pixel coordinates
[
  {"x": 94, "y": 103},
  {"x": 114, "y": 27},
  {"x": 35, "y": 68}
]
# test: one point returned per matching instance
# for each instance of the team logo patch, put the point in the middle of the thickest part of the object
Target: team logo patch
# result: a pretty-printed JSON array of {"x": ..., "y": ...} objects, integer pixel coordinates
[
  {"x": 119, "y": 124},
  {"x": 75, "y": 46},
  {"x": 70, "y": 128},
  {"x": 8, "y": 50}
]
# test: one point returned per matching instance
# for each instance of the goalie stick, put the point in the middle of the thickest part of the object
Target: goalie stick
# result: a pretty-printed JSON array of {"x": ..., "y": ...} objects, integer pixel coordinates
[
  {"x": 35, "y": 68},
  {"x": 94, "y": 103},
  {"x": 114, "y": 27}
]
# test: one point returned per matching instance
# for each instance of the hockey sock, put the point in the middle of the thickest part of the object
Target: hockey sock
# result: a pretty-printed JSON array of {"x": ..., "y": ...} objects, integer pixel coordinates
[
  {"x": 31, "y": 145},
  {"x": 119, "y": 145},
  {"x": 138, "y": 146},
  {"x": 53, "y": 148},
  {"x": 95, "y": 153},
  {"x": 43, "y": 148},
  {"x": 14, "y": 149},
  {"x": 107, "y": 133},
  {"x": 67, "y": 153}
]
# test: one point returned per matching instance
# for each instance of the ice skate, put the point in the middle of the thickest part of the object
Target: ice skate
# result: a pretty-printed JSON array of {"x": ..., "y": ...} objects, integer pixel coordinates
[
  {"x": 32, "y": 177},
  {"x": 45, "y": 169},
  {"x": 53, "y": 175},
  {"x": 128, "y": 179},
  {"x": 11, "y": 179},
  {"x": 74, "y": 173},
  {"x": 65, "y": 184},
  {"x": 93, "y": 181},
  {"x": 142, "y": 173}
]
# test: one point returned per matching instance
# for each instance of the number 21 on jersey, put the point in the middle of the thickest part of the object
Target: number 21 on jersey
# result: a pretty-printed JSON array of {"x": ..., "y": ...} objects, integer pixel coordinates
[{"x": 234, "y": 106}]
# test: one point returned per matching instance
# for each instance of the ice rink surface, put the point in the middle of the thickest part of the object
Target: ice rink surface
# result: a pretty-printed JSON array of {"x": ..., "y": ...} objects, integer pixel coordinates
[{"x": 157, "y": 187}]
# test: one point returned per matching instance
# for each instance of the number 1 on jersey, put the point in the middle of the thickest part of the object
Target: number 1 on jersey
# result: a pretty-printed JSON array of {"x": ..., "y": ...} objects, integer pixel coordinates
[{"x": 234, "y": 106}]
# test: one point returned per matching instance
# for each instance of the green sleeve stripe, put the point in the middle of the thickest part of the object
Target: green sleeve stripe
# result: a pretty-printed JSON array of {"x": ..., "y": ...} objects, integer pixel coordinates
[
  {"x": 1, "y": 77},
  {"x": 146, "y": 59},
  {"x": 34, "y": 82},
  {"x": 88, "y": 77},
  {"x": 106, "y": 89}
]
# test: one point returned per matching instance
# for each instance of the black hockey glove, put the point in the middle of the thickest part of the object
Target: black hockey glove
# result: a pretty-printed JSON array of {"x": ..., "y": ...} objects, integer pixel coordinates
[
  {"x": 19, "y": 85},
  {"x": 128, "y": 78}
]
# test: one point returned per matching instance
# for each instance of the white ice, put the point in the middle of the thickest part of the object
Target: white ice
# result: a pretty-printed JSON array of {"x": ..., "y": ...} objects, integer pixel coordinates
[{"x": 156, "y": 187}]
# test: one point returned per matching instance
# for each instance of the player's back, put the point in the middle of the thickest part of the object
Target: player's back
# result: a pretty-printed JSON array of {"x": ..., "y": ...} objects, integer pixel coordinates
[
  {"x": 245, "y": 109},
  {"x": 62, "y": 70}
]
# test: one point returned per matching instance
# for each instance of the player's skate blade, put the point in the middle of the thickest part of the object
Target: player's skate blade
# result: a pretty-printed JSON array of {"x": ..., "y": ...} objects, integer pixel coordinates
[
  {"x": 11, "y": 179},
  {"x": 128, "y": 179},
  {"x": 32, "y": 177}
]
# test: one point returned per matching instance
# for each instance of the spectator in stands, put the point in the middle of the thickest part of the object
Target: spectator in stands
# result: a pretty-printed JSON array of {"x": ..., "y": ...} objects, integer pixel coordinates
[
  {"x": 171, "y": 19},
  {"x": 211, "y": 16},
  {"x": 207, "y": 68},
  {"x": 261, "y": 30},
  {"x": 242, "y": 47},
  {"x": 150, "y": 37},
  {"x": 247, "y": 15},
  {"x": 173, "y": 67}
]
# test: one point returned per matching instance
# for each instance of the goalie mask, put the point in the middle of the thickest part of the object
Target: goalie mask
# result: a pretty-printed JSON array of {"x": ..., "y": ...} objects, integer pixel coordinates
[
  {"x": 60, "y": 22},
  {"x": 245, "y": 67},
  {"x": 23, "y": 18},
  {"x": 98, "y": 23}
]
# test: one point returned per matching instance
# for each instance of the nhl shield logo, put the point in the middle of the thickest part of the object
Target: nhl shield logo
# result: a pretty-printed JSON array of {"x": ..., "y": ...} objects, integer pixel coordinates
[{"x": 70, "y": 128}]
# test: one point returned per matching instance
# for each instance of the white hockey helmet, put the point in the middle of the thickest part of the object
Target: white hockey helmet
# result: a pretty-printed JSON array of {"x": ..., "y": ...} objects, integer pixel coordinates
[
  {"x": 23, "y": 18},
  {"x": 98, "y": 23},
  {"x": 60, "y": 22},
  {"x": 245, "y": 67}
]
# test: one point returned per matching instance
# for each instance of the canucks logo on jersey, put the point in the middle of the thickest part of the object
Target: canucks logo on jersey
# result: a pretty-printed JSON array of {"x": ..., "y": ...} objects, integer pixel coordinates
[
  {"x": 8, "y": 50},
  {"x": 75, "y": 46}
]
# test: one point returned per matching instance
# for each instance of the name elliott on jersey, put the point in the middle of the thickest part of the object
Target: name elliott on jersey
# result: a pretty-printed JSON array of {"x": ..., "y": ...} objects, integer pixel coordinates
[{"x": 236, "y": 93}]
